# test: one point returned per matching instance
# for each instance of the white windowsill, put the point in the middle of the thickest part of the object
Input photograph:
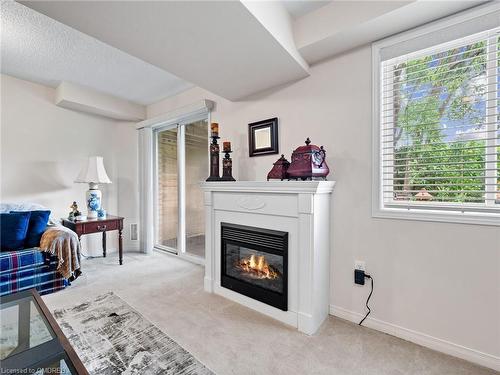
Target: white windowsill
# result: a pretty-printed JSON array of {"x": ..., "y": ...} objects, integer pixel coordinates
[{"x": 437, "y": 216}]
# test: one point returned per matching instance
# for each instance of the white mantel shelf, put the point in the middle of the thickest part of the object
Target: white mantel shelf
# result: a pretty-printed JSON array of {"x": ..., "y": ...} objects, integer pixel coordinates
[
  {"x": 275, "y": 186},
  {"x": 300, "y": 208}
]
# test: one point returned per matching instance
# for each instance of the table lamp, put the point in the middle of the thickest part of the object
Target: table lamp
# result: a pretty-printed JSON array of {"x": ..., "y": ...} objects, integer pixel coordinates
[{"x": 93, "y": 173}]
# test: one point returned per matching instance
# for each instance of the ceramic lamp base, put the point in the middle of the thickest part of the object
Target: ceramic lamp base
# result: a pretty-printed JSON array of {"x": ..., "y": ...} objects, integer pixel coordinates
[{"x": 93, "y": 199}]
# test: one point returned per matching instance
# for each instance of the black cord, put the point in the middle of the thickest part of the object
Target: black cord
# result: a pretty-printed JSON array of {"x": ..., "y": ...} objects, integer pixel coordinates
[
  {"x": 85, "y": 255},
  {"x": 90, "y": 256},
  {"x": 369, "y": 296}
]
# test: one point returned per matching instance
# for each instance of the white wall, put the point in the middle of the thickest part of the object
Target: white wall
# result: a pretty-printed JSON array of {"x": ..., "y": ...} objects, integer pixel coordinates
[
  {"x": 437, "y": 279},
  {"x": 44, "y": 146}
]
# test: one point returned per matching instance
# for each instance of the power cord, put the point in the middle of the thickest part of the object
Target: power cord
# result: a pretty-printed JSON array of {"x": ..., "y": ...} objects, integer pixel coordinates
[
  {"x": 90, "y": 256},
  {"x": 368, "y": 299}
]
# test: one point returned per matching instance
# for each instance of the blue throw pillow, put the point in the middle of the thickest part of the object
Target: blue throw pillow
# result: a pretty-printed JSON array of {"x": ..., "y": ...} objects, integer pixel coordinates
[
  {"x": 37, "y": 225},
  {"x": 13, "y": 229}
]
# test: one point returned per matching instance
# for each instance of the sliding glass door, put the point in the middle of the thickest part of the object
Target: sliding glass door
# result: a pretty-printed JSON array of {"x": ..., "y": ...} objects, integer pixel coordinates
[
  {"x": 168, "y": 189},
  {"x": 181, "y": 164},
  {"x": 197, "y": 162}
]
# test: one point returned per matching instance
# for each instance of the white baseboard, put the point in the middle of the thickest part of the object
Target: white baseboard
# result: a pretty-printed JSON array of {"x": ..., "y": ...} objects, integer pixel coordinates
[
  {"x": 471, "y": 355},
  {"x": 208, "y": 285},
  {"x": 131, "y": 245}
]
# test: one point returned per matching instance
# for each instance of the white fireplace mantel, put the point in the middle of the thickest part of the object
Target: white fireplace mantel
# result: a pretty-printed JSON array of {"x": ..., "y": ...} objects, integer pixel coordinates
[{"x": 301, "y": 208}]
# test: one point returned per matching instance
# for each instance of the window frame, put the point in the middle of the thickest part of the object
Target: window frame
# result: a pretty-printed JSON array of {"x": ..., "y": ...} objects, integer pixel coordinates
[{"x": 434, "y": 212}]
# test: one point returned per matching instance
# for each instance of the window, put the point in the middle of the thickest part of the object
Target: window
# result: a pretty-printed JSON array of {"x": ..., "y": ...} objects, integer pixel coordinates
[{"x": 437, "y": 125}]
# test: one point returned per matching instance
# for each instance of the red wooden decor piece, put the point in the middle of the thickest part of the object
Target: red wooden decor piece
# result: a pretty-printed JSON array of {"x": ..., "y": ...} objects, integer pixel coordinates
[
  {"x": 279, "y": 170},
  {"x": 308, "y": 162}
]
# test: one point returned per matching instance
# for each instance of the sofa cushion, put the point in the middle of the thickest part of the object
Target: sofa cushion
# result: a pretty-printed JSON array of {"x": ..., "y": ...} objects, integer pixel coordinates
[
  {"x": 26, "y": 206},
  {"x": 13, "y": 230},
  {"x": 37, "y": 225}
]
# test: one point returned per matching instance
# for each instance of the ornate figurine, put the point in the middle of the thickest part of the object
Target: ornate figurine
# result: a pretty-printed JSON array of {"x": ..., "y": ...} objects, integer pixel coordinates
[{"x": 74, "y": 211}]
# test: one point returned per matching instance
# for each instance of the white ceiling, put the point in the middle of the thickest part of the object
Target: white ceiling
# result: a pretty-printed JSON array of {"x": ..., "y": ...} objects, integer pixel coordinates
[
  {"x": 37, "y": 48},
  {"x": 218, "y": 45},
  {"x": 342, "y": 25},
  {"x": 128, "y": 48},
  {"x": 299, "y": 8}
]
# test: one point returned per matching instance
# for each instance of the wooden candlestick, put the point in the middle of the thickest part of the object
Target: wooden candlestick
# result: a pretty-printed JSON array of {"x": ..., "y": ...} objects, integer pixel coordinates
[
  {"x": 227, "y": 168},
  {"x": 214, "y": 159}
]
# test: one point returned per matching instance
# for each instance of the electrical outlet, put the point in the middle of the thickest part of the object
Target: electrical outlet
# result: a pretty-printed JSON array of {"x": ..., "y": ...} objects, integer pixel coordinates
[{"x": 359, "y": 265}]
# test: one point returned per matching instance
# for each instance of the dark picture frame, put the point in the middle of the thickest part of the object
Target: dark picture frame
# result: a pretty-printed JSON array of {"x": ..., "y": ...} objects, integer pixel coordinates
[{"x": 263, "y": 137}]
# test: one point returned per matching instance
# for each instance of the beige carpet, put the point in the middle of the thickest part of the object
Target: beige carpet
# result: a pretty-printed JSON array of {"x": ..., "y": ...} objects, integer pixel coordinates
[{"x": 231, "y": 339}]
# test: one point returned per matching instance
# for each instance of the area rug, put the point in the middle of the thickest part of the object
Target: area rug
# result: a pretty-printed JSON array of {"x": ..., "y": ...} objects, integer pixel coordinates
[{"x": 110, "y": 337}]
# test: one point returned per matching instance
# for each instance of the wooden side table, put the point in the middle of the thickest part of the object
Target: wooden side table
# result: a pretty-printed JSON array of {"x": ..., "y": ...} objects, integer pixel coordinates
[{"x": 81, "y": 227}]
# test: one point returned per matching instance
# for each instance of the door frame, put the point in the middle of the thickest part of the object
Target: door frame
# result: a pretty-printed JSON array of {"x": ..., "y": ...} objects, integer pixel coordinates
[{"x": 181, "y": 186}]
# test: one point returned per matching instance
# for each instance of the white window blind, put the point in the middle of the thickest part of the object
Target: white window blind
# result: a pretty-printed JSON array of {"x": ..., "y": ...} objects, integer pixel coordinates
[{"x": 439, "y": 133}]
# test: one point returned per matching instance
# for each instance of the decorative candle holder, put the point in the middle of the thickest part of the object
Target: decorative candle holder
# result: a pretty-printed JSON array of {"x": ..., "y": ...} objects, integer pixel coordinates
[
  {"x": 214, "y": 159},
  {"x": 227, "y": 167}
]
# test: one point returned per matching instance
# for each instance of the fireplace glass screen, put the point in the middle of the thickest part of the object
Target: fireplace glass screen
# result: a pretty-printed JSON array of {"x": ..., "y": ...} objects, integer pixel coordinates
[
  {"x": 255, "y": 267},
  {"x": 254, "y": 263}
]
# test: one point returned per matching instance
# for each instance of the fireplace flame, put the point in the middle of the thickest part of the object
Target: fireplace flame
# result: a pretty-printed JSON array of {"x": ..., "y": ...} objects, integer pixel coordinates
[{"x": 258, "y": 267}]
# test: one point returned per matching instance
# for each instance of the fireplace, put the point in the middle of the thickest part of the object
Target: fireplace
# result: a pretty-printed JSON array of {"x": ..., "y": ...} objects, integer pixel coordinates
[
  {"x": 288, "y": 277},
  {"x": 254, "y": 262}
]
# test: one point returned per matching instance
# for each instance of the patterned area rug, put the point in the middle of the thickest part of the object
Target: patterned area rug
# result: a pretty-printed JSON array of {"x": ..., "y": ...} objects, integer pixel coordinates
[{"x": 112, "y": 338}]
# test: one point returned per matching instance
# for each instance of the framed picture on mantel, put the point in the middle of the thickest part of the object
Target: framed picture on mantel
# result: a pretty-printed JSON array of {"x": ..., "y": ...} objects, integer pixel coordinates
[{"x": 263, "y": 137}]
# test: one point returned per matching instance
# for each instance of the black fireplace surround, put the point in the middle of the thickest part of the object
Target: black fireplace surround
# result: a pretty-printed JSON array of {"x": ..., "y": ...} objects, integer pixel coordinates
[{"x": 254, "y": 262}]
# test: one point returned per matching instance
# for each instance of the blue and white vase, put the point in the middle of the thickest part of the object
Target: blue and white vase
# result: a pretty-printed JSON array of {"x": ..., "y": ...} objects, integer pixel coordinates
[{"x": 93, "y": 198}]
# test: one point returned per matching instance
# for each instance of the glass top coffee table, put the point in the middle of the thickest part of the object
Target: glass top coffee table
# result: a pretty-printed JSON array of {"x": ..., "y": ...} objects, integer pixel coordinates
[{"x": 31, "y": 339}]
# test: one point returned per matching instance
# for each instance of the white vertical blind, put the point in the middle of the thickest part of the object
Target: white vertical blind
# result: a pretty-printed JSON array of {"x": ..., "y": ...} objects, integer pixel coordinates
[{"x": 439, "y": 126}]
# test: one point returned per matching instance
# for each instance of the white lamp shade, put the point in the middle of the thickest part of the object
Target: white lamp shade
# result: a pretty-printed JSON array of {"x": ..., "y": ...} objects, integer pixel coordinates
[{"x": 93, "y": 171}]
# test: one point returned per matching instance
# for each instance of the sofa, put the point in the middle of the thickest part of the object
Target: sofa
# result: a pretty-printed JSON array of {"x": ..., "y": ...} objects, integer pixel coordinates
[{"x": 29, "y": 267}]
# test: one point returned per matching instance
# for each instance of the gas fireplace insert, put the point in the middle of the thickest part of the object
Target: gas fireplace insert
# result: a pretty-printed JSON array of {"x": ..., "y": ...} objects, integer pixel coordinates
[{"x": 254, "y": 262}]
